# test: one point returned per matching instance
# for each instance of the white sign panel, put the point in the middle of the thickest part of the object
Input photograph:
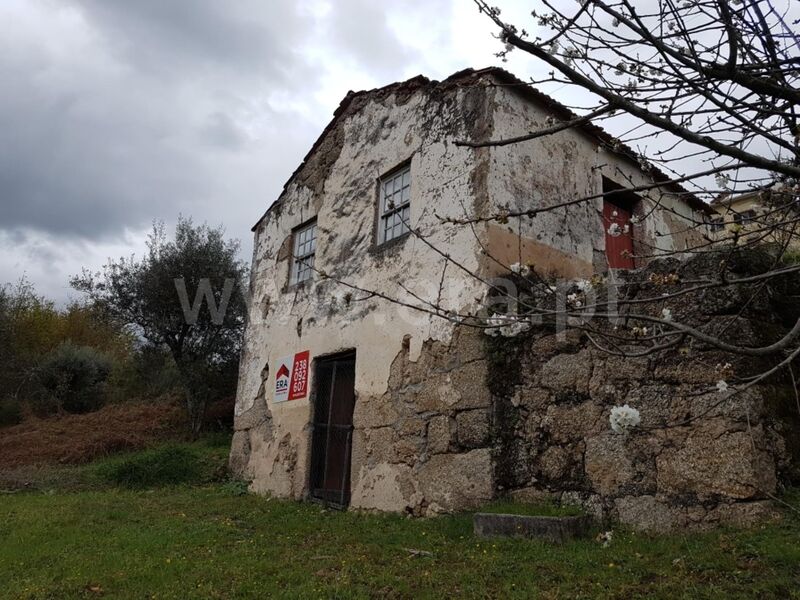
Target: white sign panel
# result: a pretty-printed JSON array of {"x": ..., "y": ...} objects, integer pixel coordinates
[{"x": 283, "y": 374}]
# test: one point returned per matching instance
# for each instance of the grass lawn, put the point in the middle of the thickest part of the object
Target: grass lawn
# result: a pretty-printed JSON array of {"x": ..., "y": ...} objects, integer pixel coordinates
[{"x": 210, "y": 541}]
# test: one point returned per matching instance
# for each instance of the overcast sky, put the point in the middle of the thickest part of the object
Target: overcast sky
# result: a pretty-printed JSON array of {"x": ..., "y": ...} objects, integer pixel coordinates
[{"x": 118, "y": 112}]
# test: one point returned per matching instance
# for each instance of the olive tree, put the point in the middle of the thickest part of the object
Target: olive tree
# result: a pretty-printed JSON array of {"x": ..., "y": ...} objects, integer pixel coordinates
[{"x": 151, "y": 295}]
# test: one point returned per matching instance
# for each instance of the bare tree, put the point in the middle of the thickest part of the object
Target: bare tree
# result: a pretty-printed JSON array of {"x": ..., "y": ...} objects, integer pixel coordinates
[{"x": 707, "y": 94}]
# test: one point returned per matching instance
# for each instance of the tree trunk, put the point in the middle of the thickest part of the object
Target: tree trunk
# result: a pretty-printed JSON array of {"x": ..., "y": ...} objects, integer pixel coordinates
[{"x": 197, "y": 411}]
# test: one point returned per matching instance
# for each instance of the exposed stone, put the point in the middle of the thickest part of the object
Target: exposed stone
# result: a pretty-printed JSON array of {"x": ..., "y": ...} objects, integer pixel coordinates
[
  {"x": 375, "y": 411},
  {"x": 571, "y": 423},
  {"x": 647, "y": 513},
  {"x": 457, "y": 480},
  {"x": 471, "y": 382},
  {"x": 472, "y": 428},
  {"x": 721, "y": 465},
  {"x": 379, "y": 444},
  {"x": 744, "y": 514},
  {"x": 556, "y": 463},
  {"x": 240, "y": 454},
  {"x": 253, "y": 417},
  {"x": 439, "y": 436},
  {"x": 383, "y": 486},
  {"x": 567, "y": 373},
  {"x": 608, "y": 463}
]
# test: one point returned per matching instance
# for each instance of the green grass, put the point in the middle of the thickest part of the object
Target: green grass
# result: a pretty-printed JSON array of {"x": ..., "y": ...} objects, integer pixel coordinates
[
  {"x": 168, "y": 464},
  {"x": 210, "y": 541}
]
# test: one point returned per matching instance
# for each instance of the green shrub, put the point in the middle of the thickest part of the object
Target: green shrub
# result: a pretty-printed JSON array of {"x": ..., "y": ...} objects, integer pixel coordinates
[
  {"x": 73, "y": 376},
  {"x": 166, "y": 465},
  {"x": 10, "y": 412}
]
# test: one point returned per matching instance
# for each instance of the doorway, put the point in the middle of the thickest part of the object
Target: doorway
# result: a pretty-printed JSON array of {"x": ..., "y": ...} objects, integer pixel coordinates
[
  {"x": 332, "y": 428},
  {"x": 618, "y": 207}
]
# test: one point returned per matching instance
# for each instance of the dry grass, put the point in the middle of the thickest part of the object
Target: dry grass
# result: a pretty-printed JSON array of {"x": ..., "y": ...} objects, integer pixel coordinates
[{"x": 77, "y": 439}]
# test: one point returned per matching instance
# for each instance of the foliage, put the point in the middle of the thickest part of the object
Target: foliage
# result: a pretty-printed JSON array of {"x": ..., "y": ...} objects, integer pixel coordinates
[
  {"x": 166, "y": 465},
  {"x": 134, "y": 544},
  {"x": 199, "y": 462},
  {"x": 10, "y": 412},
  {"x": 32, "y": 328},
  {"x": 151, "y": 295},
  {"x": 73, "y": 375}
]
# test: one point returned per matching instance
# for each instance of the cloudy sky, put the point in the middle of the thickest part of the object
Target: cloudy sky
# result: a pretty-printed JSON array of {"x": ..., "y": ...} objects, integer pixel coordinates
[{"x": 117, "y": 112}]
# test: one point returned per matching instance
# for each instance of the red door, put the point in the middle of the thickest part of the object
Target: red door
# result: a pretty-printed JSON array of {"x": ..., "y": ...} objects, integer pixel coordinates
[{"x": 619, "y": 236}]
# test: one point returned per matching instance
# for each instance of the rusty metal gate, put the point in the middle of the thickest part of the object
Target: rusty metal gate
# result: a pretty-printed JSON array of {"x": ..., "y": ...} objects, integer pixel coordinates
[{"x": 332, "y": 433}]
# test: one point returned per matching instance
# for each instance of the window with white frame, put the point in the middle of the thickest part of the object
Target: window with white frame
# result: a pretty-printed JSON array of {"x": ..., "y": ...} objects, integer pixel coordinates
[
  {"x": 395, "y": 205},
  {"x": 304, "y": 249}
]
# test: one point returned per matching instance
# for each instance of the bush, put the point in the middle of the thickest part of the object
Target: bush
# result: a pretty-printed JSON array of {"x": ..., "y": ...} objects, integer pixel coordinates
[
  {"x": 73, "y": 376},
  {"x": 10, "y": 412},
  {"x": 166, "y": 465}
]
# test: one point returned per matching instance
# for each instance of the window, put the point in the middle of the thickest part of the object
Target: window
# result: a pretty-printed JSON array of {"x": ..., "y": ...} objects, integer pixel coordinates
[
  {"x": 305, "y": 246},
  {"x": 395, "y": 205},
  {"x": 716, "y": 224},
  {"x": 744, "y": 218}
]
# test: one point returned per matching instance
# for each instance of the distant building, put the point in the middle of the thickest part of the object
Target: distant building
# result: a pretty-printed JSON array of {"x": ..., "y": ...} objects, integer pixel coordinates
[{"x": 769, "y": 216}]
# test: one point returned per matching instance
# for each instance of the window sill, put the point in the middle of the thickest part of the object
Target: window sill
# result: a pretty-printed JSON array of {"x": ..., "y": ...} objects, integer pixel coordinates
[{"x": 392, "y": 245}]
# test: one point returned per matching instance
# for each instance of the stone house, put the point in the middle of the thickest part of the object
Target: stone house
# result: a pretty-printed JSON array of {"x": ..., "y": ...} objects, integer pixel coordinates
[{"x": 349, "y": 396}]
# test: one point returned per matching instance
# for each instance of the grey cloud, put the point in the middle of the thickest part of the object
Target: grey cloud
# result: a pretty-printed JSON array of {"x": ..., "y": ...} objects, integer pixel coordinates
[
  {"x": 119, "y": 112},
  {"x": 247, "y": 36},
  {"x": 362, "y": 29},
  {"x": 90, "y": 144}
]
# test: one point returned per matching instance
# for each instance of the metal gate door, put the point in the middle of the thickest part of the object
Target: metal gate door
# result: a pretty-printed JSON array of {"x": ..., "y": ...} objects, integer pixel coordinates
[{"x": 332, "y": 434}]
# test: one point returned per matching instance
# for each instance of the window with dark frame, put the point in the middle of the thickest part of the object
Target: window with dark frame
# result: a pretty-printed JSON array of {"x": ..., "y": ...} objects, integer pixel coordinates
[
  {"x": 395, "y": 205},
  {"x": 744, "y": 218},
  {"x": 304, "y": 249},
  {"x": 716, "y": 224}
]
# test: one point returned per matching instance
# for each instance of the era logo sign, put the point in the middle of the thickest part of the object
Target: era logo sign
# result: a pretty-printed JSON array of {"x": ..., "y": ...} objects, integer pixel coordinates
[{"x": 291, "y": 377}]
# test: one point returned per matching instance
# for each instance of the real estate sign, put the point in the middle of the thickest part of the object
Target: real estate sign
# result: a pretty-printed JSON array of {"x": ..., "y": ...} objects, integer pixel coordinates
[{"x": 291, "y": 377}]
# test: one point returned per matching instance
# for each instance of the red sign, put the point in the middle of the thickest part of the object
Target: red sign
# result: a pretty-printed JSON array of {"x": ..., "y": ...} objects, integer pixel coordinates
[{"x": 299, "y": 384}]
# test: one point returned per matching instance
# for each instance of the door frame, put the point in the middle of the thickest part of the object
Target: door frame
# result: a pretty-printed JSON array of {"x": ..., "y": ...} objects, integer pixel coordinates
[
  {"x": 617, "y": 196},
  {"x": 341, "y": 355}
]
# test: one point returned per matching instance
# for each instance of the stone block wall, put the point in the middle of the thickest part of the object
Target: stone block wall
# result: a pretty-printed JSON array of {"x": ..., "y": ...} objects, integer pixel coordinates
[
  {"x": 425, "y": 446},
  {"x": 692, "y": 461},
  {"x": 697, "y": 458}
]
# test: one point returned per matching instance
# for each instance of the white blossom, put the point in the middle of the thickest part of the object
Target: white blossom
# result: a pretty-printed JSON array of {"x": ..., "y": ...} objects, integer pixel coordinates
[
  {"x": 666, "y": 314},
  {"x": 506, "y": 326},
  {"x": 520, "y": 269},
  {"x": 573, "y": 301},
  {"x": 623, "y": 419},
  {"x": 515, "y": 328},
  {"x": 605, "y": 538},
  {"x": 722, "y": 180},
  {"x": 614, "y": 230},
  {"x": 722, "y": 386}
]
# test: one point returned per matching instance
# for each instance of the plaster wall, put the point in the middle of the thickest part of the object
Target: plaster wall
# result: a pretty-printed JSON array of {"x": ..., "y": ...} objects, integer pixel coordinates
[{"x": 324, "y": 316}]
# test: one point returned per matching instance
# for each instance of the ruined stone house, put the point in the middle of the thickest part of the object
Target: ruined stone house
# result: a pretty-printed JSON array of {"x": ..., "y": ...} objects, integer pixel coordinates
[{"x": 350, "y": 398}]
